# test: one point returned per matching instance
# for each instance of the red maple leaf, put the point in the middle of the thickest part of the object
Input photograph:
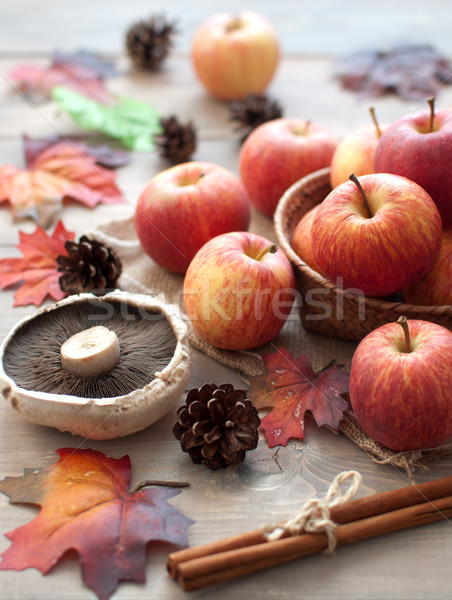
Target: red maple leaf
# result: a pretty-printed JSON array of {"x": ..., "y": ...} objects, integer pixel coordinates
[
  {"x": 37, "y": 268},
  {"x": 58, "y": 172},
  {"x": 81, "y": 76},
  {"x": 86, "y": 506},
  {"x": 291, "y": 388}
]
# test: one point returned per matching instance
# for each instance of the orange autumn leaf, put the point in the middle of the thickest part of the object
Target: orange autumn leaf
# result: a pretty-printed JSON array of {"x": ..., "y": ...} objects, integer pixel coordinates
[
  {"x": 291, "y": 388},
  {"x": 86, "y": 506},
  {"x": 36, "y": 270},
  {"x": 60, "y": 171}
]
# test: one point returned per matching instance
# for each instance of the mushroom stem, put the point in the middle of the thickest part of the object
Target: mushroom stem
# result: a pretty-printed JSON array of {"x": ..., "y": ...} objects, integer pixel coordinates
[{"x": 90, "y": 352}]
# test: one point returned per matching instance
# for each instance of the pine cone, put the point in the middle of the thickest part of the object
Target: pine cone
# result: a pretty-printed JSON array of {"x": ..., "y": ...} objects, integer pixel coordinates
[
  {"x": 217, "y": 425},
  {"x": 148, "y": 42},
  {"x": 177, "y": 142},
  {"x": 254, "y": 110},
  {"x": 88, "y": 266}
]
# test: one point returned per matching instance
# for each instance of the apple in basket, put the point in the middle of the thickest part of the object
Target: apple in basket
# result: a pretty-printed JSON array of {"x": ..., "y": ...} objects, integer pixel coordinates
[
  {"x": 280, "y": 152},
  {"x": 301, "y": 239},
  {"x": 184, "y": 206},
  {"x": 235, "y": 54},
  {"x": 238, "y": 291},
  {"x": 355, "y": 152},
  {"x": 419, "y": 147},
  {"x": 401, "y": 382},
  {"x": 435, "y": 289},
  {"x": 376, "y": 234}
]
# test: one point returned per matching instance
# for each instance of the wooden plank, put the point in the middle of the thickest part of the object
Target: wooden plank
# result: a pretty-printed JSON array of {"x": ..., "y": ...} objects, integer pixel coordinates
[
  {"x": 322, "y": 27},
  {"x": 271, "y": 483},
  {"x": 305, "y": 88}
]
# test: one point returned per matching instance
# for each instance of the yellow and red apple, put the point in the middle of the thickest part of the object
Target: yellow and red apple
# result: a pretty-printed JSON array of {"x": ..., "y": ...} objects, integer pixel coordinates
[
  {"x": 355, "y": 153},
  {"x": 238, "y": 291},
  {"x": 400, "y": 384},
  {"x": 301, "y": 239},
  {"x": 419, "y": 147},
  {"x": 235, "y": 54},
  {"x": 280, "y": 152},
  {"x": 183, "y": 207},
  {"x": 435, "y": 289},
  {"x": 376, "y": 234}
]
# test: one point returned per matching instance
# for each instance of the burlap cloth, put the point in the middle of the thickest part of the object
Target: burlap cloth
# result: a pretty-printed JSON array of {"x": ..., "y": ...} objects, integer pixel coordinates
[{"x": 142, "y": 275}]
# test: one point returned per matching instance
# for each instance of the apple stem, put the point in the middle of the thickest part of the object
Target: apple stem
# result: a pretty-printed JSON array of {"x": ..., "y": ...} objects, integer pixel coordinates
[
  {"x": 431, "y": 103},
  {"x": 234, "y": 24},
  {"x": 402, "y": 321},
  {"x": 272, "y": 249},
  {"x": 375, "y": 122},
  {"x": 355, "y": 180},
  {"x": 306, "y": 127}
]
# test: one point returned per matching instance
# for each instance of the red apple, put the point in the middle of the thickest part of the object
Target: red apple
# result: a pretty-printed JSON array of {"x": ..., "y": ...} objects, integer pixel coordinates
[
  {"x": 183, "y": 207},
  {"x": 238, "y": 291},
  {"x": 435, "y": 289},
  {"x": 280, "y": 152},
  {"x": 355, "y": 153},
  {"x": 301, "y": 239},
  {"x": 419, "y": 147},
  {"x": 235, "y": 55},
  {"x": 379, "y": 234},
  {"x": 401, "y": 382}
]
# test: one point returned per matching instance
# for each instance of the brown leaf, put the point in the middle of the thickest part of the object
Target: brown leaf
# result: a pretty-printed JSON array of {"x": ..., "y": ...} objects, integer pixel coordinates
[
  {"x": 414, "y": 72},
  {"x": 291, "y": 388}
]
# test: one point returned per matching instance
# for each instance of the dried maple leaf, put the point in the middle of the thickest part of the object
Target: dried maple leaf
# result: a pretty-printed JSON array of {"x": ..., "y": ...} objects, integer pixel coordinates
[
  {"x": 412, "y": 71},
  {"x": 86, "y": 506},
  {"x": 104, "y": 155},
  {"x": 82, "y": 71},
  {"x": 291, "y": 388},
  {"x": 60, "y": 171},
  {"x": 37, "y": 269}
]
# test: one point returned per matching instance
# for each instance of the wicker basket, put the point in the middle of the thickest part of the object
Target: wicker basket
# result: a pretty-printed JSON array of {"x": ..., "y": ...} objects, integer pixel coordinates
[{"x": 324, "y": 307}]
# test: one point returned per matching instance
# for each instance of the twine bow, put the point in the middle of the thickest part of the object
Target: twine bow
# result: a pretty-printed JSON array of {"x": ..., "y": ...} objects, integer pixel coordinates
[{"x": 314, "y": 515}]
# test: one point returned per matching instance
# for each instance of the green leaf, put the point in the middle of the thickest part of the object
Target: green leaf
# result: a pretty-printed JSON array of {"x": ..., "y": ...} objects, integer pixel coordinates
[{"x": 133, "y": 122}]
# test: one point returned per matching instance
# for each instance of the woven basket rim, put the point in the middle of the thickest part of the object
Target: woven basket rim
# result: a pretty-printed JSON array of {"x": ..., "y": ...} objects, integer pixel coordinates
[{"x": 284, "y": 202}]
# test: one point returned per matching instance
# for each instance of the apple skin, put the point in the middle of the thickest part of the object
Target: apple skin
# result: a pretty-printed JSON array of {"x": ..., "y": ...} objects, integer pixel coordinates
[
  {"x": 280, "y": 152},
  {"x": 383, "y": 254},
  {"x": 235, "y": 299},
  {"x": 301, "y": 239},
  {"x": 408, "y": 148},
  {"x": 183, "y": 207},
  {"x": 435, "y": 289},
  {"x": 235, "y": 55},
  {"x": 355, "y": 154},
  {"x": 403, "y": 399}
]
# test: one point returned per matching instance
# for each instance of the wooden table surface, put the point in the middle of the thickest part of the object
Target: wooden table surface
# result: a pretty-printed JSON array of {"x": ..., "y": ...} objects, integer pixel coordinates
[{"x": 271, "y": 484}]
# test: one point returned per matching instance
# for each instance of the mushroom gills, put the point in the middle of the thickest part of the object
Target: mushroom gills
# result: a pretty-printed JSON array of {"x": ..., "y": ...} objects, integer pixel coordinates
[{"x": 32, "y": 358}]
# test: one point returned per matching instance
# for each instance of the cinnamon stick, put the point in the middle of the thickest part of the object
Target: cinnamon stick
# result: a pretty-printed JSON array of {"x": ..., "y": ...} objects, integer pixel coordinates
[
  {"x": 353, "y": 510},
  {"x": 224, "y": 566},
  {"x": 180, "y": 563}
]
